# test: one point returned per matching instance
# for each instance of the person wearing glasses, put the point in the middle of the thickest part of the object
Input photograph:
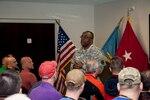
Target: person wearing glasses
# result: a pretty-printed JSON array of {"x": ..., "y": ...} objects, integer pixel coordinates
[{"x": 86, "y": 52}]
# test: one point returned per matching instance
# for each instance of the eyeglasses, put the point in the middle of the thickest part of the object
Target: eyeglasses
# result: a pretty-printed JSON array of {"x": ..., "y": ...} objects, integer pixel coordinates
[
  {"x": 85, "y": 37},
  {"x": 14, "y": 61}
]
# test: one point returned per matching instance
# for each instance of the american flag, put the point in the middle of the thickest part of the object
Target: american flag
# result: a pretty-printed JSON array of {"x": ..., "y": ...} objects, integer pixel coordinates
[{"x": 65, "y": 52}]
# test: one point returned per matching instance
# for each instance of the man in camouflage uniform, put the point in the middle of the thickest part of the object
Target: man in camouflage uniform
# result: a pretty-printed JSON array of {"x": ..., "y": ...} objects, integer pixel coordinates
[{"x": 87, "y": 52}]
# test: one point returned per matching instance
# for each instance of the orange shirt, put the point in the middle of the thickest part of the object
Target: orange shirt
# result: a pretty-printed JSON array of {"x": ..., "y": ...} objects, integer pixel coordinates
[{"x": 96, "y": 82}]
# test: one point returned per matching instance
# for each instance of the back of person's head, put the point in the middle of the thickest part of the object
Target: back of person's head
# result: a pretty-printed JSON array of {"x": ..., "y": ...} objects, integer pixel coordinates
[
  {"x": 10, "y": 83},
  {"x": 74, "y": 79},
  {"x": 17, "y": 96},
  {"x": 23, "y": 60},
  {"x": 92, "y": 66},
  {"x": 10, "y": 55},
  {"x": 4, "y": 60},
  {"x": 48, "y": 69},
  {"x": 145, "y": 77},
  {"x": 129, "y": 78},
  {"x": 116, "y": 64}
]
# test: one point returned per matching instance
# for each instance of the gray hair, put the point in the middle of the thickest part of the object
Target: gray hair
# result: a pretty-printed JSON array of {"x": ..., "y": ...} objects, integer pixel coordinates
[{"x": 92, "y": 65}]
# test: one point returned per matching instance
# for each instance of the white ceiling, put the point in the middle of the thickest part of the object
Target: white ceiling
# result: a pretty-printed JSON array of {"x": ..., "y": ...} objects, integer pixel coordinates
[{"x": 82, "y": 2}]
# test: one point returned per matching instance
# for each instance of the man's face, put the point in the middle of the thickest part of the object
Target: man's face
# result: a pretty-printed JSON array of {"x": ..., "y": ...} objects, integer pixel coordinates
[
  {"x": 13, "y": 62},
  {"x": 86, "y": 39},
  {"x": 29, "y": 63}
]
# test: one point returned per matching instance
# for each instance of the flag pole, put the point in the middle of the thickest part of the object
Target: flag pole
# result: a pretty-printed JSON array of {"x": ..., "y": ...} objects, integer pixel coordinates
[
  {"x": 120, "y": 20},
  {"x": 58, "y": 22},
  {"x": 128, "y": 13}
]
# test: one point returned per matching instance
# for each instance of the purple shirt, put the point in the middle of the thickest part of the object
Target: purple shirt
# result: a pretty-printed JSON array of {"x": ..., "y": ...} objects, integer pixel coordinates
[{"x": 45, "y": 91}]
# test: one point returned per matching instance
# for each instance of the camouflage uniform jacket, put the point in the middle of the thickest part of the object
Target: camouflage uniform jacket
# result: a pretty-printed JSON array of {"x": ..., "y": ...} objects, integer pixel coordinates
[{"x": 83, "y": 56}]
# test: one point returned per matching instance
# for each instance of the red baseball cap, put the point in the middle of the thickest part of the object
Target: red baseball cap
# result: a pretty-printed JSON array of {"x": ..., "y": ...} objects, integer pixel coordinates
[{"x": 47, "y": 69}]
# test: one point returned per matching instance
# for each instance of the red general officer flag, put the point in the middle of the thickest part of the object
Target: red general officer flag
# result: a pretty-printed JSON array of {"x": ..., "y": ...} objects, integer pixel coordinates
[{"x": 131, "y": 51}]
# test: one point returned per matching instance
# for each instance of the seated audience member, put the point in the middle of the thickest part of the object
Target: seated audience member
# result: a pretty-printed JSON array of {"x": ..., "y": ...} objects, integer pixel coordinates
[
  {"x": 10, "y": 83},
  {"x": 93, "y": 88},
  {"x": 17, "y": 96},
  {"x": 129, "y": 85},
  {"x": 4, "y": 66},
  {"x": 111, "y": 91},
  {"x": 145, "y": 77},
  {"x": 12, "y": 63},
  {"x": 75, "y": 80},
  {"x": 46, "y": 89},
  {"x": 4, "y": 62},
  {"x": 34, "y": 86},
  {"x": 28, "y": 78}
]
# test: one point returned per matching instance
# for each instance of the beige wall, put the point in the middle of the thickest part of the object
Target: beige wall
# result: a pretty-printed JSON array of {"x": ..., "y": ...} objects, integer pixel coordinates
[
  {"x": 77, "y": 18},
  {"x": 108, "y": 15},
  {"x": 74, "y": 18}
]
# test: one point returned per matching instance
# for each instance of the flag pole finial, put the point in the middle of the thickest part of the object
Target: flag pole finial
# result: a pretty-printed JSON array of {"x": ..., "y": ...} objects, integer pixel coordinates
[{"x": 129, "y": 10}]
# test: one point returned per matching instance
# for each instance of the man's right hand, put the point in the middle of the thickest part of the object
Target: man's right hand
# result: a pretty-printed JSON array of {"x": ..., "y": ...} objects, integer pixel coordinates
[{"x": 78, "y": 65}]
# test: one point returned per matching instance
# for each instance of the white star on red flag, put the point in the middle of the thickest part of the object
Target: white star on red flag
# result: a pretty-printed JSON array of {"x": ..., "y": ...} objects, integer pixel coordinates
[{"x": 127, "y": 55}]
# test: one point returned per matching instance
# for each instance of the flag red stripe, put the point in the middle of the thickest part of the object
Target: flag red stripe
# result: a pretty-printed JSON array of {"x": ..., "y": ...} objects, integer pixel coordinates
[
  {"x": 67, "y": 53},
  {"x": 67, "y": 45},
  {"x": 58, "y": 58},
  {"x": 64, "y": 63},
  {"x": 58, "y": 83},
  {"x": 67, "y": 56}
]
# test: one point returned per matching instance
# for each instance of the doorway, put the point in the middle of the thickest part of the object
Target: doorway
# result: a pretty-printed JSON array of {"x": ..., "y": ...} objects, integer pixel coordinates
[{"x": 36, "y": 40}]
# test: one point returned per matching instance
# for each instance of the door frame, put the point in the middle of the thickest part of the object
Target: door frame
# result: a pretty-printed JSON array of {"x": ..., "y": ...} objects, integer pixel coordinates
[{"x": 28, "y": 20}]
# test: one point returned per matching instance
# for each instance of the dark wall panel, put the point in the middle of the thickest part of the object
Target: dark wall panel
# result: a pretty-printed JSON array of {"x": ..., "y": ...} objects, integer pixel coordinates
[{"x": 13, "y": 39}]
